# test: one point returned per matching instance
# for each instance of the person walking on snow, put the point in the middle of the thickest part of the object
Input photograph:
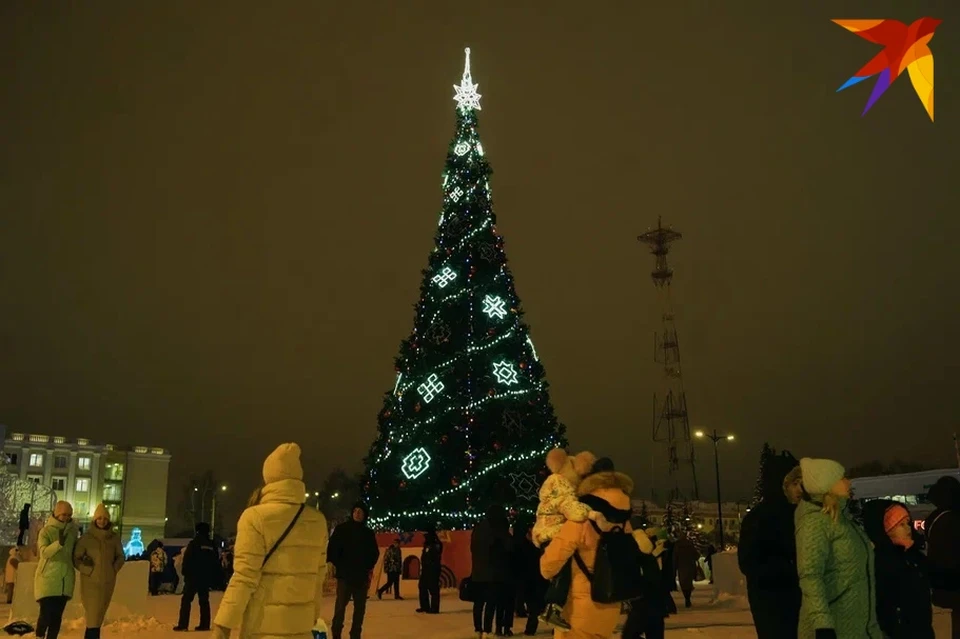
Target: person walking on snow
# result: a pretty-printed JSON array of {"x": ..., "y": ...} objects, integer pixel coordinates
[
  {"x": 392, "y": 565},
  {"x": 430, "y": 568},
  {"x": 279, "y": 559},
  {"x": 98, "y": 556},
  {"x": 10, "y": 574},
  {"x": 943, "y": 547},
  {"x": 904, "y": 610},
  {"x": 55, "y": 578},
  {"x": 353, "y": 551},
  {"x": 767, "y": 553},
  {"x": 685, "y": 558},
  {"x": 158, "y": 563},
  {"x": 178, "y": 568},
  {"x": 23, "y": 534},
  {"x": 834, "y": 559},
  {"x": 201, "y": 571}
]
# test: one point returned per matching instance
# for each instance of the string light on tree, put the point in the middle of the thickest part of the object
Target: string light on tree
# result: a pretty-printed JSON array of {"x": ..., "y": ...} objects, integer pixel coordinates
[
  {"x": 494, "y": 307},
  {"x": 532, "y": 349},
  {"x": 415, "y": 463},
  {"x": 505, "y": 373}
]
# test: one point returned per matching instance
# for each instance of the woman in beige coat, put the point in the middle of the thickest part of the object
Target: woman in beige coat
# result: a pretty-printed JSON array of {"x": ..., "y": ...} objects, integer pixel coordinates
[
  {"x": 98, "y": 556},
  {"x": 276, "y": 595},
  {"x": 607, "y": 492}
]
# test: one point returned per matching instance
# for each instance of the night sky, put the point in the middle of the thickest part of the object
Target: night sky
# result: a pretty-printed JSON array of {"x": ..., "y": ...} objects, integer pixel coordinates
[{"x": 213, "y": 218}]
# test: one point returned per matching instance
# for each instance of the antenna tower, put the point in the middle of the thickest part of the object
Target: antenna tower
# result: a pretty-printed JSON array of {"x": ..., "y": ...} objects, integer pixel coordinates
[{"x": 671, "y": 422}]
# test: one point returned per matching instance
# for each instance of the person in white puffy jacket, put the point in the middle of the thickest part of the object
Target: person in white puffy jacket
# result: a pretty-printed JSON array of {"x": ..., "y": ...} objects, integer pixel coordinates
[{"x": 276, "y": 595}]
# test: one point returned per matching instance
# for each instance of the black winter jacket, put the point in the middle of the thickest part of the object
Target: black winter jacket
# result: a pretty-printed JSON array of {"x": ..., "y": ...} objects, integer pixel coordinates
[
  {"x": 491, "y": 547},
  {"x": 201, "y": 563},
  {"x": 353, "y": 551},
  {"x": 904, "y": 610},
  {"x": 430, "y": 557}
]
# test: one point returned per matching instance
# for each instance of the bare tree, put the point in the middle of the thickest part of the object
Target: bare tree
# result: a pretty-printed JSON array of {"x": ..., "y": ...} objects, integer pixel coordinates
[{"x": 339, "y": 493}]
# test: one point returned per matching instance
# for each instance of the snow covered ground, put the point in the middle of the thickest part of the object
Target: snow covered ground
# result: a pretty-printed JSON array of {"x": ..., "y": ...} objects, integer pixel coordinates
[{"x": 710, "y": 618}]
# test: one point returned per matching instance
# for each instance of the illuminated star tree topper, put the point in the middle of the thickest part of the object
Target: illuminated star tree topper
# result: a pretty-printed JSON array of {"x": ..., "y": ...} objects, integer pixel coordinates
[{"x": 466, "y": 95}]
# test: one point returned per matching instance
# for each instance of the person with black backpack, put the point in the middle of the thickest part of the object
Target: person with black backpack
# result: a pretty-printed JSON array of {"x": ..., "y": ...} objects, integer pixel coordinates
[{"x": 608, "y": 566}]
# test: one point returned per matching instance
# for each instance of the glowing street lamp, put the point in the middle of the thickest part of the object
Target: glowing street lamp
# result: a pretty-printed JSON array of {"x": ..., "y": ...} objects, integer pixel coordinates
[{"x": 716, "y": 437}]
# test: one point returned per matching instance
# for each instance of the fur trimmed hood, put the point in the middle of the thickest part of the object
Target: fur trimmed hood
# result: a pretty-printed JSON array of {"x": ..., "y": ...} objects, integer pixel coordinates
[{"x": 605, "y": 481}]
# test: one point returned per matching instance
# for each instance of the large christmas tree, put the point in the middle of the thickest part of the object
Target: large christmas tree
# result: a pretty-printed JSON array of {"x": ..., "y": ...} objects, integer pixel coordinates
[{"x": 469, "y": 419}]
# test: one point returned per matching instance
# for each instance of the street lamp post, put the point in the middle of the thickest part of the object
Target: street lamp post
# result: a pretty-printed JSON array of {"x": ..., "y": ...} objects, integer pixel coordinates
[
  {"x": 213, "y": 509},
  {"x": 716, "y": 438}
]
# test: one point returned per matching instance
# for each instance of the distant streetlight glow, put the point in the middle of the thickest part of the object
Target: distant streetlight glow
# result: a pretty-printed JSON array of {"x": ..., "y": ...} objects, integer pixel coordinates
[{"x": 716, "y": 437}]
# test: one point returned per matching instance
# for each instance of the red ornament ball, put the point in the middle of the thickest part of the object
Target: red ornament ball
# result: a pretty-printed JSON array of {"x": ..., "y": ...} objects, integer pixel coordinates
[{"x": 523, "y": 364}]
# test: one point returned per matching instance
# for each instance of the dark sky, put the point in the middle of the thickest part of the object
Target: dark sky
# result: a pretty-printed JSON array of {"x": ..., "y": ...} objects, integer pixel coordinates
[{"x": 213, "y": 218}]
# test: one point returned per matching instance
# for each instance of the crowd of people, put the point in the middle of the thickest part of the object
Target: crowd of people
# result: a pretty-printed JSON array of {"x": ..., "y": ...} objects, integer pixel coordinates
[{"x": 813, "y": 569}]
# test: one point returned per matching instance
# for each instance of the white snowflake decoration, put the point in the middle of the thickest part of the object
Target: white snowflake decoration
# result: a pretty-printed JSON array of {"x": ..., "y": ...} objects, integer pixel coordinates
[
  {"x": 444, "y": 277},
  {"x": 415, "y": 463},
  {"x": 494, "y": 307},
  {"x": 505, "y": 373},
  {"x": 461, "y": 149},
  {"x": 466, "y": 95},
  {"x": 430, "y": 388},
  {"x": 456, "y": 194}
]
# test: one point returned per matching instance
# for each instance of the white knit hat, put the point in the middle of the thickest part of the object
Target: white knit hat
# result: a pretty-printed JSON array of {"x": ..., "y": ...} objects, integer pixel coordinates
[
  {"x": 820, "y": 475},
  {"x": 283, "y": 463}
]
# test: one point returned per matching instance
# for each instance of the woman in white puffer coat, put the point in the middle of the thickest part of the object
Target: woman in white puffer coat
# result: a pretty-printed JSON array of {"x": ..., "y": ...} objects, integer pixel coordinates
[{"x": 276, "y": 595}]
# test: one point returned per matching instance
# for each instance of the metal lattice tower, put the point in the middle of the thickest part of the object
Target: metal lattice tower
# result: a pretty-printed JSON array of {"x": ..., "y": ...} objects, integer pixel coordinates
[{"x": 671, "y": 422}]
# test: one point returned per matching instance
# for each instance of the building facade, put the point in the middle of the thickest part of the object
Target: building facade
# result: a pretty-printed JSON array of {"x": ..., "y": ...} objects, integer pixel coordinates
[
  {"x": 704, "y": 515},
  {"x": 131, "y": 482}
]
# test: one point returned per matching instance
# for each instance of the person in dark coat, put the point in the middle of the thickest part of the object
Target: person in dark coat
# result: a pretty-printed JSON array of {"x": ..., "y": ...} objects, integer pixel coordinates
[
  {"x": 430, "y": 565},
  {"x": 904, "y": 610},
  {"x": 393, "y": 566},
  {"x": 353, "y": 551},
  {"x": 531, "y": 586},
  {"x": 24, "y": 526},
  {"x": 201, "y": 571},
  {"x": 647, "y": 615},
  {"x": 767, "y": 554},
  {"x": 942, "y": 529},
  {"x": 490, "y": 548},
  {"x": 685, "y": 557}
]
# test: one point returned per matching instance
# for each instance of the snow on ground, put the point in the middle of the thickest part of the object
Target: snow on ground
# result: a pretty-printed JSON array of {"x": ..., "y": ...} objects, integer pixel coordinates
[{"x": 711, "y": 617}]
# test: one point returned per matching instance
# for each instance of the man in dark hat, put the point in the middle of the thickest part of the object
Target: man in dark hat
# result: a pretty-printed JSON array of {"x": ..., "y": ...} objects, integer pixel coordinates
[
  {"x": 201, "y": 570},
  {"x": 768, "y": 552},
  {"x": 353, "y": 551},
  {"x": 430, "y": 569}
]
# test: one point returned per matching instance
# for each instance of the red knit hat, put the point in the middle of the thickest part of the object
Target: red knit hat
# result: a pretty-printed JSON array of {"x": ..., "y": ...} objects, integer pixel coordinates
[{"x": 893, "y": 516}]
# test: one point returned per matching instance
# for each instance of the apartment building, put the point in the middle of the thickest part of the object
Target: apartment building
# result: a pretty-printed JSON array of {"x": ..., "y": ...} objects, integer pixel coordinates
[{"x": 131, "y": 482}]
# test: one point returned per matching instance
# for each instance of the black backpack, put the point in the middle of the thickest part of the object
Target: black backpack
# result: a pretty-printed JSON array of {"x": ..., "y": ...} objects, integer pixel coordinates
[{"x": 622, "y": 572}]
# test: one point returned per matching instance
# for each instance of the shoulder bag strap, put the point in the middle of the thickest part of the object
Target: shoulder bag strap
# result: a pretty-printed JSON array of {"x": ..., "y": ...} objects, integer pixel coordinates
[
  {"x": 583, "y": 566},
  {"x": 286, "y": 532}
]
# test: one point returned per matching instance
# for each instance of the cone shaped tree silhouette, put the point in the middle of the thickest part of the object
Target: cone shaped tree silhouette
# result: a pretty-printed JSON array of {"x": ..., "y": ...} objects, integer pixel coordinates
[{"x": 469, "y": 419}]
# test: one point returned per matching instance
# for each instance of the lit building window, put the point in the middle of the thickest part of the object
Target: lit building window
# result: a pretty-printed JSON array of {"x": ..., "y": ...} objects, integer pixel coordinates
[
  {"x": 112, "y": 492},
  {"x": 83, "y": 485},
  {"x": 83, "y": 463},
  {"x": 36, "y": 460}
]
